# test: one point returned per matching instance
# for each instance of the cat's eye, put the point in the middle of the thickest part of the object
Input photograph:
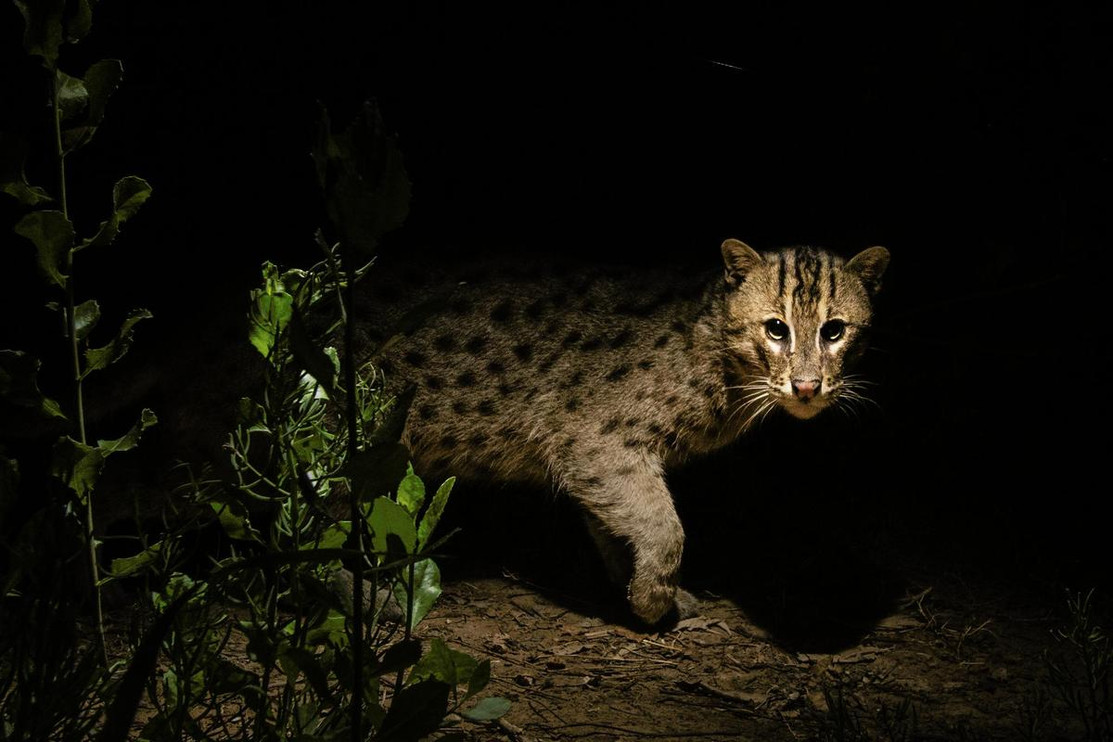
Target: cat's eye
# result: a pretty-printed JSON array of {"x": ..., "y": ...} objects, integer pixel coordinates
[
  {"x": 833, "y": 330},
  {"x": 776, "y": 329}
]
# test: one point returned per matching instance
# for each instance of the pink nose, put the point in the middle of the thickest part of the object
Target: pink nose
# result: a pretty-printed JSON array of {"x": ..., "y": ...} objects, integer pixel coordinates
[{"x": 806, "y": 389}]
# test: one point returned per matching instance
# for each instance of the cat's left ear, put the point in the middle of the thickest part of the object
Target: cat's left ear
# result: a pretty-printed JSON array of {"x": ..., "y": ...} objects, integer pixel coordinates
[
  {"x": 869, "y": 265},
  {"x": 739, "y": 259}
]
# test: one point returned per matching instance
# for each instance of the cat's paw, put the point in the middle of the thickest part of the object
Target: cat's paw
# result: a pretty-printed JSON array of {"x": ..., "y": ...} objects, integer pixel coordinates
[
  {"x": 651, "y": 600},
  {"x": 664, "y": 605}
]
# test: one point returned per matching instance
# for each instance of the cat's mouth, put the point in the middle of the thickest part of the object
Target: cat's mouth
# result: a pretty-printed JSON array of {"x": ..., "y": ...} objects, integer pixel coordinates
[{"x": 804, "y": 409}]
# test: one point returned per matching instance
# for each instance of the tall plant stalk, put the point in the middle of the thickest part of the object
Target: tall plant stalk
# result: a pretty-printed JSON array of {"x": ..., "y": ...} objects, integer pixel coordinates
[
  {"x": 351, "y": 413},
  {"x": 78, "y": 375}
]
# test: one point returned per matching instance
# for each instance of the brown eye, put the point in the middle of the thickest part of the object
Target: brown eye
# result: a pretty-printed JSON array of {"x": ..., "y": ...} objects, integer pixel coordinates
[
  {"x": 833, "y": 330},
  {"x": 776, "y": 329}
]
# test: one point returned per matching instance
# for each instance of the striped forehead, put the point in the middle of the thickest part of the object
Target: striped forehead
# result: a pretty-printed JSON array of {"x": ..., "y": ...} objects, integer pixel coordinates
[{"x": 806, "y": 280}]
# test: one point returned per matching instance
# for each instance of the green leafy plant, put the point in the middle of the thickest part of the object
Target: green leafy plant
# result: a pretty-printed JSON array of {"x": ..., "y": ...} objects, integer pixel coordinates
[
  {"x": 844, "y": 723},
  {"x": 285, "y": 594},
  {"x": 77, "y": 106},
  {"x": 323, "y": 656},
  {"x": 303, "y": 625},
  {"x": 1079, "y": 676},
  {"x": 52, "y": 679}
]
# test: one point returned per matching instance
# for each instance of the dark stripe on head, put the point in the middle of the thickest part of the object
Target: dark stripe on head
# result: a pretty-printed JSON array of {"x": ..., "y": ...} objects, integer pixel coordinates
[
  {"x": 830, "y": 279},
  {"x": 781, "y": 269},
  {"x": 806, "y": 291}
]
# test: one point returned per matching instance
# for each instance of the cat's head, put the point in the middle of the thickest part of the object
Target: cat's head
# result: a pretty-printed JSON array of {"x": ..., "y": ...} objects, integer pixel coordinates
[{"x": 796, "y": 322}]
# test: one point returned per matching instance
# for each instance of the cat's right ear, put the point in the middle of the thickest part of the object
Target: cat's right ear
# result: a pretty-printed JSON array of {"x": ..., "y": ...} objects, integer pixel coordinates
[
  {"x": 739, "y": 259},
  {"x": 869, "y": 265}
]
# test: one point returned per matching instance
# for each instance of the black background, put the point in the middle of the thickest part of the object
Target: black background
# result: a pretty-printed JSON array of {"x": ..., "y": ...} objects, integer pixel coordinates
[{"x": 972, "y": 139}]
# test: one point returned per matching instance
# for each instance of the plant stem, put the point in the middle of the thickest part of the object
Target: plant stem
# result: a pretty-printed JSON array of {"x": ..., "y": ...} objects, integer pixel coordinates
[
  {"x": 75, "y": 356},
  {"x": 350, "y": 414}
]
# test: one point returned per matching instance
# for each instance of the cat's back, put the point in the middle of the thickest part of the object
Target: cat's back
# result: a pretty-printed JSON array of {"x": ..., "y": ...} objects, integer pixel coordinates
[{"x": 523, "y": 356}]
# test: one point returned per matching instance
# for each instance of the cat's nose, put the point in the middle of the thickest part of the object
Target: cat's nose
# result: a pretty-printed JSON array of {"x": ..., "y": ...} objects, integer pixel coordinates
[{"x": 805, "y": 389}]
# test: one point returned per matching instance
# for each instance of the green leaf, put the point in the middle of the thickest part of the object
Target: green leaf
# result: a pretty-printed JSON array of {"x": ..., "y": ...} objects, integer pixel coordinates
[
  {"x": 101, "y": 80},
  {"x": 52, "y": 234},
  {"x": 397, "y": 657},
  {"x": 73, "y": 96},
  {"x": 480, "y": 678},
  {"x": 77, "y": 465},
  {"x": 433, "y": 513},
  {"x": 13, "y": 178},
  {"x": 311, "y": 356},
  {"x": 375, "y": 471},
  {"x": 178, "y": 586},
  {"x": 388, "y": 518},
  {"x": 9, "y": 481},
  {"x": 415, "y": 712},
  {"x": 488, "y": 709},
  {"x": 99, "y": 358},
  {"x": 127, "y": 566},
  {"x": 411, "y": 492},
  {"x": 78, "y": 21},
  {"x": 42, "y": 32},
  {"x": 367, "y": 191},
  {"x": 442, "y": 663},
  {"x": 128, "y": 195},
  {"x": 426, "y": 589},
  {"x": 271, "y": 309},
  {"x": 390, "y": 427},
  {"x": 130, "y": 439},
  {"x": 85, "y": 318},
  {"x": 228, "y": 677},
  {"x": 21, "y": 401},
  {"x": 331, "y": 631},
  {"x": 295, "y": 660},
  {"x": 233, "y": 518},
  {"x": 332, "y": 537}
]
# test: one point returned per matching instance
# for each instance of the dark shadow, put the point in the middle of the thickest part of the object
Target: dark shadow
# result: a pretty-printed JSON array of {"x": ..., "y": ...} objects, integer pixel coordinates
[
  {"x": 789, "y": 525},
  {"x": 533, "y": 536},
  {"x": 799, "y": 546}
]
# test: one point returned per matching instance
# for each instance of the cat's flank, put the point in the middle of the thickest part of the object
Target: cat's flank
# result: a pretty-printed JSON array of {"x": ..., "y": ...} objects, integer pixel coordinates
[{"x": 597, "y": 383}]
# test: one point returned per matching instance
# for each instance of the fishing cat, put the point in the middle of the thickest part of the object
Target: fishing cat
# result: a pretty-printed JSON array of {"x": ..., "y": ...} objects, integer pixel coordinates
[{"x": 598, "y": 382}]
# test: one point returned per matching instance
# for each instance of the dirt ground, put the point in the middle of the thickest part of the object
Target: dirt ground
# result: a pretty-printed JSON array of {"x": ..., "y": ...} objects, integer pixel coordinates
[
  {"x": 837, "y": 637},
  {"x": 928, "y": 670}
]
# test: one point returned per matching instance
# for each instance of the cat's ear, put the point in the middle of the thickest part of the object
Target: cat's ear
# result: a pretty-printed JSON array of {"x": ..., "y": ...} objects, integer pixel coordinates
[
  {"x": 869, "y": 265},
  {"x": 739, "y": 259}
]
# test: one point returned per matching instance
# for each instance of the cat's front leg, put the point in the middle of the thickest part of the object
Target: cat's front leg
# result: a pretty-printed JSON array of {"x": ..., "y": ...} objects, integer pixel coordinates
[{"x": 627, "y": 499}]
